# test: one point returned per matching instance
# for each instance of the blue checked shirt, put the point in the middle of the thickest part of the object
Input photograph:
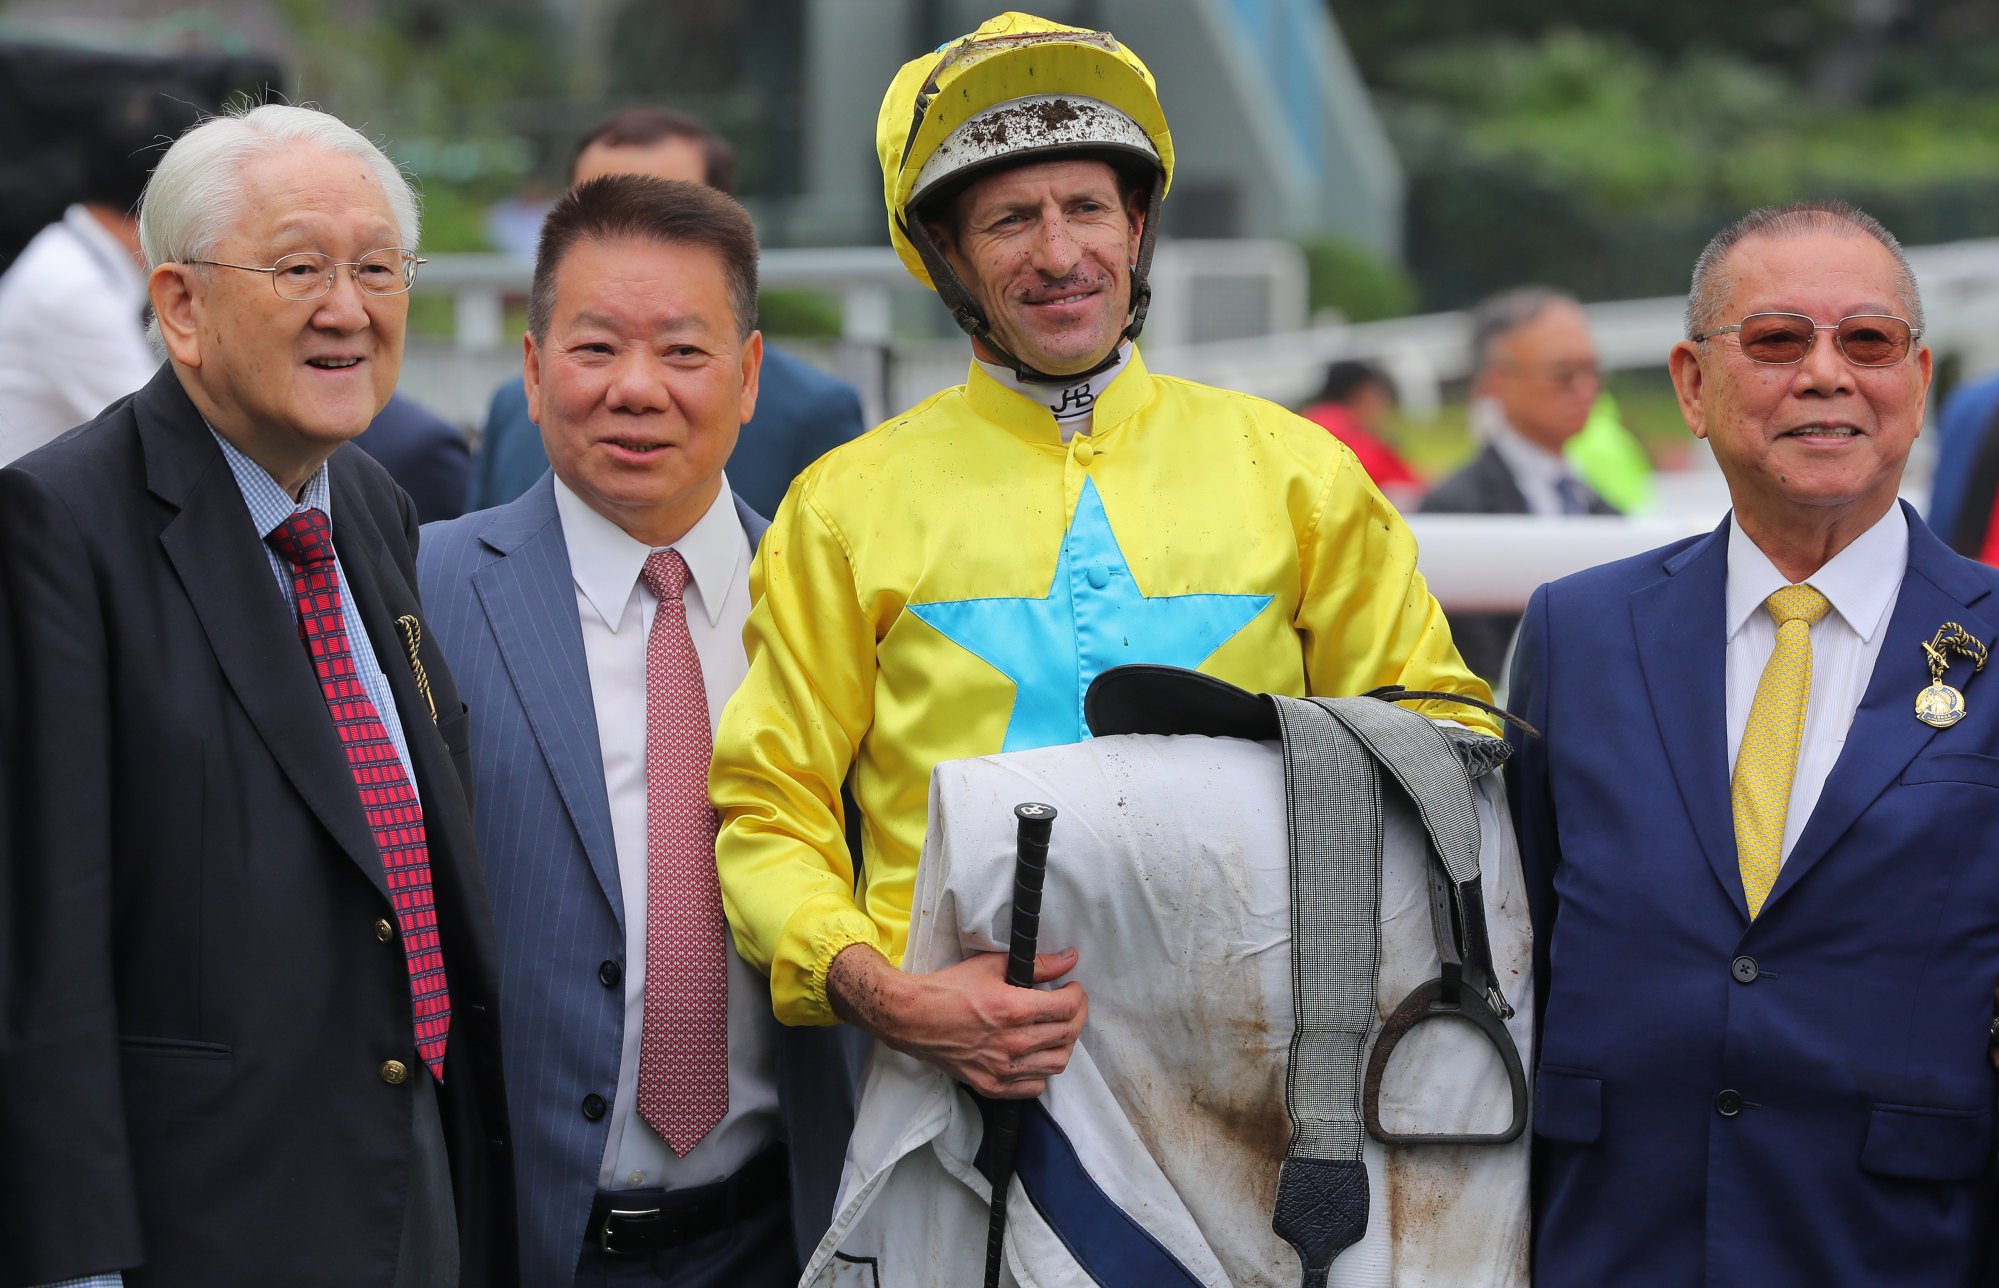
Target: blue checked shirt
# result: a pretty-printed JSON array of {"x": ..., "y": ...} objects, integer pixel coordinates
[{"x": 271, "y": 505}]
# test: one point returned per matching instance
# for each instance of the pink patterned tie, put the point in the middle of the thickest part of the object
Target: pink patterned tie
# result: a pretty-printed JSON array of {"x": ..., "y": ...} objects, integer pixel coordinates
[
  {"x": 684, "y": 1053},
  {"x": 305, "y": 541}
]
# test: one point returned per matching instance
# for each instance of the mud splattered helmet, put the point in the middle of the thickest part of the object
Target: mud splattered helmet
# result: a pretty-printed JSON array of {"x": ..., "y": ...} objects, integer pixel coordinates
[{"x": 1020, "y": 88}]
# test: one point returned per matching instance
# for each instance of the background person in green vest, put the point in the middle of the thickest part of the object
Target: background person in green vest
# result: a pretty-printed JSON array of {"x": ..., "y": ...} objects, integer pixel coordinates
[{"x": 1611, "y": 460}]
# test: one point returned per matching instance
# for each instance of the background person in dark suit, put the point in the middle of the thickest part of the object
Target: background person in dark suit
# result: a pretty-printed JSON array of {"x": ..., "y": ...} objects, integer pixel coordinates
[
  {"x": 801, "y": 412},
  {"x": 424, "y": 453},
  {"x": 1763, "y": 891},
  {"x": 642, "y": 365},
  {"x": 247, "y": 1013},
  {"x": 1536, "y": 380}
]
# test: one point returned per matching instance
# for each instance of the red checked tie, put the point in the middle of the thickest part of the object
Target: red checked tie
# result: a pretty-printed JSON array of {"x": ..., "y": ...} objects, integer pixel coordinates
[
  {"x": 387, "y": 799},
  {"x": 684, "y": 1053}
]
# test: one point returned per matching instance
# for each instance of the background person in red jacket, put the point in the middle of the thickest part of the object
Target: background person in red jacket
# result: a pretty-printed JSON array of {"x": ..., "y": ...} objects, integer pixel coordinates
[{"x": 1353, "y": 405}]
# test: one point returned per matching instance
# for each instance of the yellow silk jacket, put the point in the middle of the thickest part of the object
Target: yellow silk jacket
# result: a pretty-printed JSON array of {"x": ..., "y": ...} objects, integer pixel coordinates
[{"x": 948, "y": 584}]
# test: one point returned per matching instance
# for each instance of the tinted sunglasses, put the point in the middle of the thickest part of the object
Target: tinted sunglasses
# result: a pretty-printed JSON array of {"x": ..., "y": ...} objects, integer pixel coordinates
[{"x": 1780, "y": 339}]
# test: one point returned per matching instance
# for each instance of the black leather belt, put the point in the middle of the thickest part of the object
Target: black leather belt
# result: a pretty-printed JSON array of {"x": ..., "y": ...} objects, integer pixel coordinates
[{"x": 641, "y": 1221}]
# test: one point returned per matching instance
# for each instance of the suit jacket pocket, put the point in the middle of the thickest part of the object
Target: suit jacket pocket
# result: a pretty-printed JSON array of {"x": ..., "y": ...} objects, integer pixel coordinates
[
  {"x": 456, "y": 731},
  {"x": 1568, "y": 1106},
  {"x": 457, "y": 734},
  {"x": 174, "y": 1081},
  {"x": 174, "y": 1048},
  {"x": 1953, "y": 767},
  {"x": 1927, "y": 1144}
]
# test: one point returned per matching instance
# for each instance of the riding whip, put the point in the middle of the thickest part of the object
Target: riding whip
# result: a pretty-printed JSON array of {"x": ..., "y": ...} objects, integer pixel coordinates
[{"x": 1029, "y": 869}]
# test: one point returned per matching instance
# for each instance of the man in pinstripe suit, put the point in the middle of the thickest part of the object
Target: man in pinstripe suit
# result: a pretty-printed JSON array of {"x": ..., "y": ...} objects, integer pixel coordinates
[{"x": 580, "y": 614}]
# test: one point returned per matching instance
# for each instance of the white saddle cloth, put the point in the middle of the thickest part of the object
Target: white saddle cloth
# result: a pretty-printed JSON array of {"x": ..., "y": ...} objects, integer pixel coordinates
[{"x": 1168, "y": 870}]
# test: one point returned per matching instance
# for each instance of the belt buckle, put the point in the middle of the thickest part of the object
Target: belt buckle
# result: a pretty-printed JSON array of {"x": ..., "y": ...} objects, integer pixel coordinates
[{"x": 632, "y": 1216}]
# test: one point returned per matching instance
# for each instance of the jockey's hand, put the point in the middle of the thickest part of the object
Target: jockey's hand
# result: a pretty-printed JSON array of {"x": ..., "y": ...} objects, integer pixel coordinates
[{"x": 1001, "y": 1041}]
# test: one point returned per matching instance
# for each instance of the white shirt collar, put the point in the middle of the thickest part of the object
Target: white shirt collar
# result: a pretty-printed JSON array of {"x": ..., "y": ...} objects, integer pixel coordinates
[
  {"x": 605, "y": 560},
  {"x": 106, "y": 251},
  {"x": 1530, "y": 464},
  {"x": 1861, "y": 581},
  {"x": 1071, "y": 403}
]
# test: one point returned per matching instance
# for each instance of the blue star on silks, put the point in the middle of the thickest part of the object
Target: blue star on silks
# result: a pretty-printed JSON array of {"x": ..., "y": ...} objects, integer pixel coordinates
[{"x": 1093, "y": 617}]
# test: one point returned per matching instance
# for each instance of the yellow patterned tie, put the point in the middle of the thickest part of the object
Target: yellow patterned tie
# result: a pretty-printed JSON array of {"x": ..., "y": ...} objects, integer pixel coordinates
[{"x": 1769, "y": 754}]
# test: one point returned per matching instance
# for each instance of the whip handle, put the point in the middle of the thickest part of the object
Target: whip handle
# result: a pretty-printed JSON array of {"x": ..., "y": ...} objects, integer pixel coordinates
[{"x": 1030, "y": 869}]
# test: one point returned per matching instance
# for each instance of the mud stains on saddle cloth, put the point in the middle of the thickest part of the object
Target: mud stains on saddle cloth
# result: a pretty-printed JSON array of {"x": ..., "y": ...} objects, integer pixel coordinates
[{"x": 1195, "y": 1055}]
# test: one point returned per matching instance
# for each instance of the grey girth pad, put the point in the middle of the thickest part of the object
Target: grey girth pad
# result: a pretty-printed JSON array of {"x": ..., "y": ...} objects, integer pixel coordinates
[
  {"x": 1334, "y": 752},
  {"x": 1432, "y": 771}
]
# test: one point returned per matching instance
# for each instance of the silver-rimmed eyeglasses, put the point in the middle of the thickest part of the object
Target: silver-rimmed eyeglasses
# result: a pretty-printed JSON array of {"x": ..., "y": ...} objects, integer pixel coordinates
[
  {"x": 1782, "y": 339},
  {"x": 309, "y": 274}
]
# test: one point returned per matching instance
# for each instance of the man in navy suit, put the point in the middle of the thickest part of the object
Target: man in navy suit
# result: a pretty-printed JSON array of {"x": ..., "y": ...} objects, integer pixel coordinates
[
  {"x": 668, "y": 1130},
  {"x": 801, "y": 413},
  {"x": 1761, "y": 865},
  {"x": 424, "y": 453}
]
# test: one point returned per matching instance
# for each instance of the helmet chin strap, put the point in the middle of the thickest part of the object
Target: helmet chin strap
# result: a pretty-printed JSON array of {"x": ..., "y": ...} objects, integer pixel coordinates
[
  {"x": 972, "y": 320},
  {"x": 1028, "y": 375}
]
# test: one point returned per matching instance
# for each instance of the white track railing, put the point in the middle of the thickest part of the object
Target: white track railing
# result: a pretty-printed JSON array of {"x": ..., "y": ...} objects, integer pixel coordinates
[
  {"x": 1493, "y": 563},
  {"x": 1230, "y": 313},
  {"x": 1204, "y": 291},
  {"x": 1960, "y": 284}
]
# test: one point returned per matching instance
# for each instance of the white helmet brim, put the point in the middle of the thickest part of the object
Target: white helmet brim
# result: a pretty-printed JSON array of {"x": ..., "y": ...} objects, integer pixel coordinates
[{"x": 1027, "y": 128}]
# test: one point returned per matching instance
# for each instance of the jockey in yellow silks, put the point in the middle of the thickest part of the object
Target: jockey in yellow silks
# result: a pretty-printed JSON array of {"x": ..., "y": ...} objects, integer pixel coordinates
[{"x": 948, "y": 584}]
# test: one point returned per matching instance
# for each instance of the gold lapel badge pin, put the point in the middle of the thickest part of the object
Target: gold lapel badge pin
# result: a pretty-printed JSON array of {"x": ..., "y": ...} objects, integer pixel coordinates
[
  {"x": 1940, "y": 706},
  {"x": 413, "y": 640}
]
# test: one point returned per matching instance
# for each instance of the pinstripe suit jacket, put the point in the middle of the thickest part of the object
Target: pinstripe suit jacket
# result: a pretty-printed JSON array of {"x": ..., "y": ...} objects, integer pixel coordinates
[{"x": 502, "y": 603}]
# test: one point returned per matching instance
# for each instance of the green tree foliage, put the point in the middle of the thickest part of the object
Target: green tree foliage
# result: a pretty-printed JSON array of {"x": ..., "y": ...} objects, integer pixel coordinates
[
  {"x": 1781, "y": 33},
  {"x": 1355, "y": 283},
  {"x": 1629, "y": 133},
  {"x": 1594, "y": 162},
  {"x": 811, "y": 315},
  {"x": 731, "y": 62},
  {"x": 438, "y": 81}
]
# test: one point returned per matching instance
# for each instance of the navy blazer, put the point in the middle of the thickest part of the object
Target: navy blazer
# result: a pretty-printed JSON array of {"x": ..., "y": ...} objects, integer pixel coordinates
[
  {"x": 1802, "y": 1099},
  {"x": 424, "y": 453},
  {"x": 199, "y": 983},
  {"x": 502, "y": 602}
]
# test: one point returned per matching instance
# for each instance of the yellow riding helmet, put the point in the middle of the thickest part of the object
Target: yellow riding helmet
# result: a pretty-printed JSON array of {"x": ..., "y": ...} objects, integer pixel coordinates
[
  {"x": 1014, "y": 56},
  {"x": 1016, "y": 88}
]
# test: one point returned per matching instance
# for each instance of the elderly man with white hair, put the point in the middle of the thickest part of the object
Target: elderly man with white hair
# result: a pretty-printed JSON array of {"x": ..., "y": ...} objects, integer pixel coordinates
[{"x": 247, "y": 986}]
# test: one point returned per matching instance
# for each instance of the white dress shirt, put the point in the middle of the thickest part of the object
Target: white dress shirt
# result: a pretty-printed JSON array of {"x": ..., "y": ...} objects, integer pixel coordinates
[
  {"x": 1863, "y": 582},
  {"x": 616, "y": 611},
  {"x": 71, "y": 342},
  {"x": 1537, "y": 472}
]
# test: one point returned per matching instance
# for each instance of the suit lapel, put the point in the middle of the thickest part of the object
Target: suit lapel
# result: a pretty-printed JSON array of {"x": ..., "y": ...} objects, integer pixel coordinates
[
  {"x": 754, "y": 524},
  {"x": 220, "y": 561},
  {"x": 1503, "y": 494},
  {"x": 1886, "y": 735},
  {"x": 1682, "y": 643},
  {"x": 381, "y": 595},
  {"x": 529, "y": 597}
]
